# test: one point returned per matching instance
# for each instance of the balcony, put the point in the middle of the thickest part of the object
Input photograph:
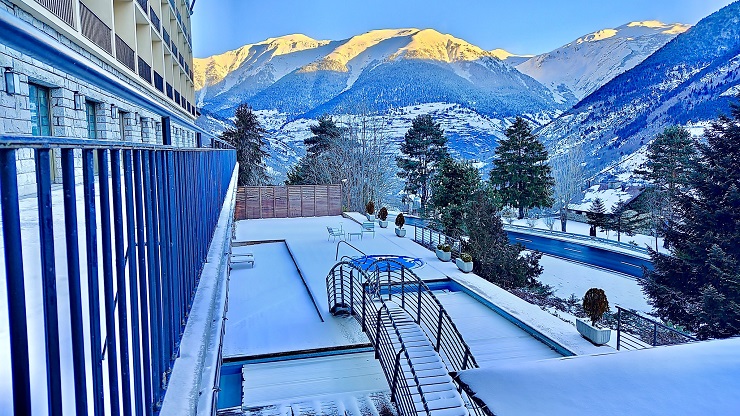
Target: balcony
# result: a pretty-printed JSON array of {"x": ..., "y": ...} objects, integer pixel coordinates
[
  {"x": 125, "y": 54},
  {"x": 158, "y": 82},
  {"x": 155, "y": 19},
  {"x": 166, "y": 37},
  {"x": 94, "y": 29},
  {"x": 145, "y": 71},
  {"x": 63, "y": 9},
  {"x": 144, "y": 5},
  {"x": 169, "y": 91},
  {"x": 132, "y": 244}
]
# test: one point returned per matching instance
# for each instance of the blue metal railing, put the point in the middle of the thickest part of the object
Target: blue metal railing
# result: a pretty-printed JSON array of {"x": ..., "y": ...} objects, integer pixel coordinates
[
  {"x": 147, "y": 231},
  {"x": 577, "y": 237}
]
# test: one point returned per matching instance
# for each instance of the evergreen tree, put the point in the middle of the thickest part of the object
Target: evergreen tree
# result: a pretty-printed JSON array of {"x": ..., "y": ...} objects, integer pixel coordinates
[
  {"x": 624, "y": 220},
  {"x": 248, "y": 137},
  {"x": 423, "y": 148},
  {"x": 324, "y": 134},
  {"x": 670, "y": 158},
  {"x": 452, "y": 187},
  {"x": 495, "y": 259},
  {"x": 520, "y": 175},
  {"x": 596, "y": 215},
  {"x": 698, "y": 286}
]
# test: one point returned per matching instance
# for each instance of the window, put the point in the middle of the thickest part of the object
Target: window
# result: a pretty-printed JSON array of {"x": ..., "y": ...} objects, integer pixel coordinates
[
  {"x": 122, "y": 125},
  {"x": 40, "y": 110},
  {"x": 92, "y": 125},
  {"x": 92, "y": 130}
]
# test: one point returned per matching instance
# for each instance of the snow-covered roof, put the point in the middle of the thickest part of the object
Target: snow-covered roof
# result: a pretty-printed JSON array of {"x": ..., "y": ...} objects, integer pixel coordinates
[
  {"x": 609, "y": 196},
  {"x": 701, "y": 378}
]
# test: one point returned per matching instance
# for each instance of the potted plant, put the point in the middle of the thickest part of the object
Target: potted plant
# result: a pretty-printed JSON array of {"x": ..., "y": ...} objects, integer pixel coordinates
[
  {"x": 383, "y": 217},
  {"x": 595, "y": 304},
  {"x": 400, "y": 221},
  {"x": 444, "y": 252},
  {"x": 465, "y": 263},
  {"x": 370, "y": 211}
]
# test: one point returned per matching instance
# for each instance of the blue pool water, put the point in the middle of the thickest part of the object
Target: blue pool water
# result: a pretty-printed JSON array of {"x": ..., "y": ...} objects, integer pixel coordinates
[{"x": 364, "y": 262}]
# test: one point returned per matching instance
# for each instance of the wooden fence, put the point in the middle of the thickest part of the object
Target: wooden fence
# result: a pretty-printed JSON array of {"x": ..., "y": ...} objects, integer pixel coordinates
[{"x": 288, "y": 201}]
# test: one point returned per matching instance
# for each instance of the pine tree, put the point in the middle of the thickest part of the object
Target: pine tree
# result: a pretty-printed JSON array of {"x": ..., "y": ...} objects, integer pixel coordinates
[
  {"x": 698, "y": 285},
  {"x": 495, "y": 259},
  {"x": 324, "y": 134},
  {"x": 520, "y": 175},
  {"x": 624, "y": 220},
  {"x": 247, "y": 136},
  {"x": 423, "y": 148},
  {"x": 670, "y": 158},
  {"x": 596, "y": 215},
  {"x": 452, "y": 187}
]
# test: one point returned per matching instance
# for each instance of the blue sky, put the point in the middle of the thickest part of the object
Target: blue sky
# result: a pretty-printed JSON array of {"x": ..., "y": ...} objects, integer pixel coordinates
[{"x": 519, "y": 26}]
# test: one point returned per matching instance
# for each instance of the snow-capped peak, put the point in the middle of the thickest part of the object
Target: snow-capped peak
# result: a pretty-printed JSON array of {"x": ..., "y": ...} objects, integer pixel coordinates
[{"x": 592, "y": 60}]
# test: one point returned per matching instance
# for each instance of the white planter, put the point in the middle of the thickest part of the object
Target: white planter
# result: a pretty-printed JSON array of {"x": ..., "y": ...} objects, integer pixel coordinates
[
  {"x": 370, "y": 217},
  {"x": 595, "y": 335},
  {"x": 464, "y": 266},
  {"x": 401, "y": 232},
  {"x": 383, "y": 224},
  {"x": 444, "y": 255}
]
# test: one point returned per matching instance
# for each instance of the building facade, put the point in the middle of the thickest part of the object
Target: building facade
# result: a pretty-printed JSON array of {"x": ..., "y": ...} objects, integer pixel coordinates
[{"x": 97, "y": 69}]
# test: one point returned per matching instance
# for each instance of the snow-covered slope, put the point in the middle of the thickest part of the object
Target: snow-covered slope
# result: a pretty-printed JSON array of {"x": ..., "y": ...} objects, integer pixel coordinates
[
  {"x": 587, "y": 63},
  {"x": 688, "y": 81}
]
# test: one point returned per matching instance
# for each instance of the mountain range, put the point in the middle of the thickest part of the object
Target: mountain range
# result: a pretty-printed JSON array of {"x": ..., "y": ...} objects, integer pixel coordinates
[{"x": 609, "y": 90}]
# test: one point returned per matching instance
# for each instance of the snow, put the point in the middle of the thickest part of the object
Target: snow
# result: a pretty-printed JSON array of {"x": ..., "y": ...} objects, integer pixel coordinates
[
  {"x": 690, "y": 379},
  {"x": 336, "y": 378},
  {"x": 591, "y": 61},
  {"x": 570, "y": 278},
  {"x": 271, "y": 311}
]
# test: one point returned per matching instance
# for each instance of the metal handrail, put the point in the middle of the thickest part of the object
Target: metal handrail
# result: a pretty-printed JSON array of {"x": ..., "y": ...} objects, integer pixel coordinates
[
  {"x": 571, "y": 236},
  {"x": 635, "y": 331},
  {"x": 353, "y": 291},
  {"x": 436, "y": 238},
  {"x": 356, "y": 249}
]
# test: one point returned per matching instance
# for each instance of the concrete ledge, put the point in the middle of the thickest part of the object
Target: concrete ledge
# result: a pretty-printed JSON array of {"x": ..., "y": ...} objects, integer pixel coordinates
[{"x": 195, "y": 374}]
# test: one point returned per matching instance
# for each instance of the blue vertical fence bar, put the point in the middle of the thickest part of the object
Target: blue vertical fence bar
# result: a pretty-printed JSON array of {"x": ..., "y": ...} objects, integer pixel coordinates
[
  {"x": 15, "y": 283},
  {"x": 142, "y": 247},
  {"x": 133, "y": 271},
  {"x": 73, "y": 280},
  {"x": 148, "y": 216},
  {"x": 109, "y": 297},
  {"x": 48, "y": 280},
  {"x": 93, "y": 289},
  {"x": 120, "y": 265}
]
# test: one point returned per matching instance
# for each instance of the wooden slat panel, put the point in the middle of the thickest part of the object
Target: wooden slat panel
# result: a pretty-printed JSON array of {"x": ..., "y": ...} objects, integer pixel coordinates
[
  {"x": 294, "y": 201},
  {"x": 322, "y": 201},
  {"x": 335, "y": 199},
  {"x": 240, "y": 212},
  {"x": 252, "y": 202},
  {"x": 281, "y": 201},
  {"x": 307, "y": 194},
  {"x": 267, "y": 199}
]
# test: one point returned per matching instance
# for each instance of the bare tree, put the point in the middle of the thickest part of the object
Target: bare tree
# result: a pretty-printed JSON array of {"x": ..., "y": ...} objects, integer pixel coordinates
[
  {"x": 360, "y": 158},
  {"x": 567, "y": 168}
]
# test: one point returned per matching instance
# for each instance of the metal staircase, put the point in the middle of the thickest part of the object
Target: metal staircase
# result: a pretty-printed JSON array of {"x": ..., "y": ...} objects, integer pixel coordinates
[{"x": 415, "y": 340}]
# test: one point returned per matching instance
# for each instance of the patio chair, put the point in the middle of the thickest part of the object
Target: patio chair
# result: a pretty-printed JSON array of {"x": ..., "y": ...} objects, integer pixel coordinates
[
  {"x": 368, "y": 227},
  {"x": 335, "y": 232}
]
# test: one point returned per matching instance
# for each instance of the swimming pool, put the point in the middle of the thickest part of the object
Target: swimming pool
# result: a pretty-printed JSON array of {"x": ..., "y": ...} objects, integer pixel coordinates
[{"x": 364, "y": 262}]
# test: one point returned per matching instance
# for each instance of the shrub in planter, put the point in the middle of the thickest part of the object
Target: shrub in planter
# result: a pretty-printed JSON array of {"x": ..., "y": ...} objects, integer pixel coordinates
[
  {"x": 400, "y": 221},
  {"x": 444, "y": 252},
  {"x": 383, "y": 217},
  {"x": 465, "y": 263},
  {"x": 383, "y": 214},
  {"x": 595, "y": 304},
  {"x": 370, "y": 211}
]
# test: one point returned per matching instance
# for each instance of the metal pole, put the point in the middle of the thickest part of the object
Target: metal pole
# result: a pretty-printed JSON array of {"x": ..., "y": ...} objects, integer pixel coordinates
[
  {"x": 619, "y": 326},
  {"x": 14, "y": 280},
  {"x": 73, "y": 280},
  {"x": 48, "y": 278}
]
